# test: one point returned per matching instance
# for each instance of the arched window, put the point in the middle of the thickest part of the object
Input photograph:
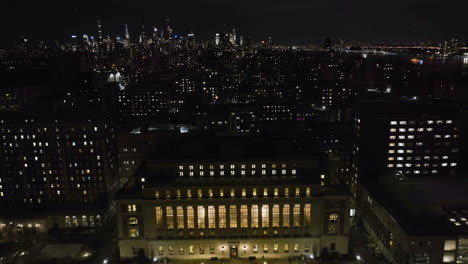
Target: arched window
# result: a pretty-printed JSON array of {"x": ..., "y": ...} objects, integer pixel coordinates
[
  {"x": 67, "y": 221},
  {"x": 133, "y": 227},
  {"x": 98, "y": 220},
  {"x": 84, "y": 220},
  {"x": 74, "y": 221}
]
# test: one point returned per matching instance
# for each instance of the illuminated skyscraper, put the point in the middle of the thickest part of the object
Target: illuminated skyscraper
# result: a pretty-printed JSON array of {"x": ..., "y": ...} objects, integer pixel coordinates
[
  {"x": 217, "y": 39},
  {"x": 100, "y": 38},
  {"x": 233, "y": 37},
  {"x": 127, "y": 33}
]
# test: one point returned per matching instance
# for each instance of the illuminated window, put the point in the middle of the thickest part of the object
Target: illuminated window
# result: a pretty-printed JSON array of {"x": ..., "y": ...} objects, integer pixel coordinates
[
  {"x": 265, "y": 216},
  {"x": 296, "y": 215},
  {"x": 332, "y": 223},
  {"x": 233, "y": 216},
  {"x": 132, "y": 207},
  {"x": 170, "y": 217},
  {"x": 180, "y": 217},
  {"x": 265, "y": 248},
  {"x": 233, "y": 193},
  {"x": 244, "y": 216},
  {"x": 254, "y": 215},
  {"x": 222, "y": 216},
  {"x": 159, "y": 217},
  {"x": 255, "y": 248},
  {"x": 211, "y": 217},
  {"x": 67, "y": 221},
  {"x": 296, "y": 248},
  {"x": 201, "y": 217},
  {"x": 160, "y": 250},
  {"x": 190, "y": 217},
  {"x": 133, "y": 227},
  {"x": 265, "y": 192},
  {"x": 307, "y": 216},
  {"x": 286, "y": 215},
  {"x": 276, "y": 215},
  {"x": 298, "y": 192}
]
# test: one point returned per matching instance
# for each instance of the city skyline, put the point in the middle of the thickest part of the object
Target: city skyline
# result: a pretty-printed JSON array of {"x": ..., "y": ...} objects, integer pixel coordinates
[{"x": 289, "y": 23}]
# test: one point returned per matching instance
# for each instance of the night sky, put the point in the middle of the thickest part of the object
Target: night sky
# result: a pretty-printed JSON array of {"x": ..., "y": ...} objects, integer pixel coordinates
[{"x": 293, "y": 21}]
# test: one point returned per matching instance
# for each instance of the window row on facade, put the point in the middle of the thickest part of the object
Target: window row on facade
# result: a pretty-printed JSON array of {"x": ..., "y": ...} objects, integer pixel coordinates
[
  {"x": 226, "y": 216},
  {"x": 255, "y": 248},
  {"x": 234, "y": 192}
]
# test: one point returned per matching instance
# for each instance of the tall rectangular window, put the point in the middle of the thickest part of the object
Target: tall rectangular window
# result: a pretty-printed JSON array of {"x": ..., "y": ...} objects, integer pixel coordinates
[
  {"x": 190, "y": 217},
  {"x": 265, "y": 216},
  {"x": 286, "y": 214},
  {"x": 201, "y": 217},
  {"x": 170, "y": 217},
  {"x": 233, "y": 216},
  {"x": 159, "y": 217},
  {"x": 254, "y": 215},
  {"x": 296, "y": 215},
  {"x": 211, "y": 217},
  {"x": 180, "y": 217},
  {"x": 222, "y": 216},
  {"x": 244, "y": 216},
  {"x": 276, "y": 215},
  {"x": 307, "y": 215}
]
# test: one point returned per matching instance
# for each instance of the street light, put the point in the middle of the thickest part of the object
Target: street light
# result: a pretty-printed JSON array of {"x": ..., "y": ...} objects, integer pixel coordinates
[{"x": 105, "y": 261}]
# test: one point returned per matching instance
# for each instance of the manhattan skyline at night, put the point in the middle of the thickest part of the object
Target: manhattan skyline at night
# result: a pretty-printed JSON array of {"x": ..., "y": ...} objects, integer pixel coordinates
[
  {"x": 234, "y": 132},
  {"x": 296, "y": 22}
]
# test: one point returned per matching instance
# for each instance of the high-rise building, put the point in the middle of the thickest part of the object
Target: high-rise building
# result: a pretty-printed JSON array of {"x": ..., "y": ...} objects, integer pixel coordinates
[
  {"x": 450, "y": 47},
  {"x": 327, "y": 45},
  {"x": 217, "y": 39},
  {"x": 99, "y": 31},
  {"x": 57, "y": 171},
  {"x": 417, "y": 137}
]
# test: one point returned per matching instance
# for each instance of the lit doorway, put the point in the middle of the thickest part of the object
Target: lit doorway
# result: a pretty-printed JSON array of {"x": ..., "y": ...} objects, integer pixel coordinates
[{"x": 233, "y": 251}]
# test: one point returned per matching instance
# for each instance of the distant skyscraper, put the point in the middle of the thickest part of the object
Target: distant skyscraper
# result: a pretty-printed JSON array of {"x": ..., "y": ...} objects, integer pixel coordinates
[
  {"x": 241, "y": 40},
  {"x": 127, "y": 33},
  {"x": 143, "y": 33},
  {"x": 450, "y": 46},
  {"x": 217, "y": 39},
  {"x": 327, "y": 44},
  {"x": 86, "y": 39},
  {"x": 100, "y": 38},
  {"x": 127, "y": 37},
  {"x": 155, "y": 33},
  {"x": 232, "y": 37},
  {"x": 169, "y": 28}
]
